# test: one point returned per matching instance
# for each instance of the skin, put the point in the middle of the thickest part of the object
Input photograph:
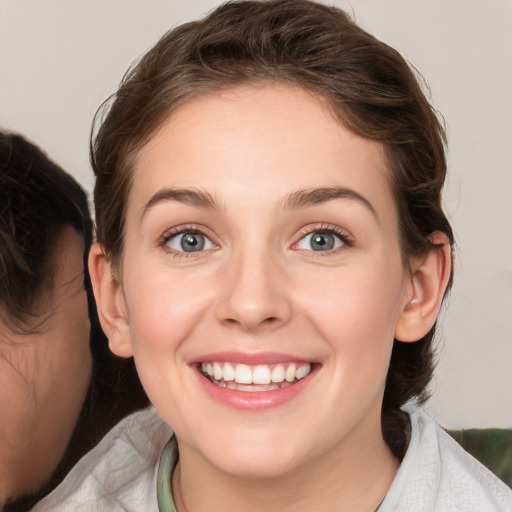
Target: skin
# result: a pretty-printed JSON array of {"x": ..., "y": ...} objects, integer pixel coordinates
[
  {"x": 258, "y": 287},
  {"x": 44, "y": 377}
]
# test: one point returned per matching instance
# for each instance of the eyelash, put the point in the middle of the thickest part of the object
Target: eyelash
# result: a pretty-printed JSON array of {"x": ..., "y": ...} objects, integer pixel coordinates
[
  {"x": 181, "y": 230},
  {"x": 343, "y": 235}
]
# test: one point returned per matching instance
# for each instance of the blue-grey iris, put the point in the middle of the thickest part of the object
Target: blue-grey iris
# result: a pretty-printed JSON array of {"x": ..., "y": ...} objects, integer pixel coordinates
[
  {"x": 322, "y": 241},
  {"x": 191, "y": 242}
]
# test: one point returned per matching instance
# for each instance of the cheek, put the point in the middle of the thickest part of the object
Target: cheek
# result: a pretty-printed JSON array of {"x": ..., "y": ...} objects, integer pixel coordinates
[
  {"x": 355, "y": 309},
  {"x": 163, "y": 307}
]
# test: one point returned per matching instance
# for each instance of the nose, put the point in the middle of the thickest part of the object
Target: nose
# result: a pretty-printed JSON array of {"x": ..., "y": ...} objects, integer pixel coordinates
[{"x": 253, "y": 294}]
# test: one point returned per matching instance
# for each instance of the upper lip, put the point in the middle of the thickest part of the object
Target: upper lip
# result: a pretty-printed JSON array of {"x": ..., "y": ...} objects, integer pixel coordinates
[{"x": 250, "y": 358}]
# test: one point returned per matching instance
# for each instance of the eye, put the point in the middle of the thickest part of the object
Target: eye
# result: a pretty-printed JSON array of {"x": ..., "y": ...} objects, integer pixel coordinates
[
  {"x": 320, "y": 241},
  {"x": 189, "y": 242}
]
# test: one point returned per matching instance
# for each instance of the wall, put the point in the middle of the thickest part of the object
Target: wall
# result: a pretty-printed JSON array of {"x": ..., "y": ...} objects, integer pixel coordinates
[{"x": 60, "y": 59}]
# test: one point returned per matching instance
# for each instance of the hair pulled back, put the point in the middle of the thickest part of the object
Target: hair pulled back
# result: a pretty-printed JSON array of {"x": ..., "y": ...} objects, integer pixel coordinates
[
  {"x": 37, "y": 199},
  {"x": 368, "y": 87}
]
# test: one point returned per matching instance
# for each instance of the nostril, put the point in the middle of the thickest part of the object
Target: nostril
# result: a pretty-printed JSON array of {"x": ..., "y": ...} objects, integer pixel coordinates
[{"x": 247, "y": 323}]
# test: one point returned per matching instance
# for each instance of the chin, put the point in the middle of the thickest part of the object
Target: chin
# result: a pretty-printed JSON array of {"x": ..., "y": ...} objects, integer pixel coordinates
[{"x": 256, "y": 458}]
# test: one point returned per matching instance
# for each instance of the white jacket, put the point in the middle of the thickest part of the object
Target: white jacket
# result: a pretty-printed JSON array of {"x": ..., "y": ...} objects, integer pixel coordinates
[{"x": 120, "y": 474}]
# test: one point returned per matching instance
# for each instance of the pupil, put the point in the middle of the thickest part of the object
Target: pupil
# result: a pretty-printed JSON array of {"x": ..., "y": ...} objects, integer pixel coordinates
[
  {"x": 322, "y": 241},
  {"x": 192, "y": 242}
]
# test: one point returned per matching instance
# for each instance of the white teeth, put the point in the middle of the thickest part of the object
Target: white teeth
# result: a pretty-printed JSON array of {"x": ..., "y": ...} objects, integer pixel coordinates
[
  {"x": 217, "y": 371},
  {"x": 263, "y": 377},
  {"x": 254, "y": 387},
  {"x": 303, "y": 371},
  {"x": 243, "y": 374},
  {"x": 278, "y": 373},
  {"x": 229, "y": 373},
  {"x": 290, "y": 373}
]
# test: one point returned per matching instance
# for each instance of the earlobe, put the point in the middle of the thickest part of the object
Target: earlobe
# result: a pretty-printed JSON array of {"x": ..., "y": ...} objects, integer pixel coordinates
[
  {"x": 109, "y": 297},
  {"x": 427, "y": 285}
]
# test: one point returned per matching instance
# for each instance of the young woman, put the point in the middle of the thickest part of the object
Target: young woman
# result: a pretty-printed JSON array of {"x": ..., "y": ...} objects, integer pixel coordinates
[{"x": 273, "y": 253}]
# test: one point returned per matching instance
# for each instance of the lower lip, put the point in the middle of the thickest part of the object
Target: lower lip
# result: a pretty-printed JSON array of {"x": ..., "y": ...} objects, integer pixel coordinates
[{"x": 254, "y": 400}]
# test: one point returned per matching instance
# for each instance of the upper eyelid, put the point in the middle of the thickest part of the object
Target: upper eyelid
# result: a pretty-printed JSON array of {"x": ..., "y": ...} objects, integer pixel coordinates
[
  {"x": 325, "y": 228},
  {"x": 342, "y": 233},
  {"x": 187, "y": 228},
  {"x": 164, "y": 241}
]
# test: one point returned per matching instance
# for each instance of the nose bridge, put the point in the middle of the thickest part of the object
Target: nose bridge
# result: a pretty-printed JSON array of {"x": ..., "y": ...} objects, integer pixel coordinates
[{"x": 253, "y": 290}]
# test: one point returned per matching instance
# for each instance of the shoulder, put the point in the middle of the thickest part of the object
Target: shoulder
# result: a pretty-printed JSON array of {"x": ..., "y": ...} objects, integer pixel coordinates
[
  {"x": 119, "y": 473},
  {"x": 437, "y": 475}
]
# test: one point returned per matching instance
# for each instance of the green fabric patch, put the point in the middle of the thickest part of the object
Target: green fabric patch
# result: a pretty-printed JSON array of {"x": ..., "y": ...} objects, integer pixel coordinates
[{"x": 491, "y": 446}]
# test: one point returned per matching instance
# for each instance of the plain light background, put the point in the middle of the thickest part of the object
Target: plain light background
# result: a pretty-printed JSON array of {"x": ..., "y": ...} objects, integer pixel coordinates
[{"x": 59, "y": 59}]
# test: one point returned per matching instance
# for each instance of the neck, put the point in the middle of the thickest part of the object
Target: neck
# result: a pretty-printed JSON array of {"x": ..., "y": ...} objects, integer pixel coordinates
[{"x": 353, "y": 476}]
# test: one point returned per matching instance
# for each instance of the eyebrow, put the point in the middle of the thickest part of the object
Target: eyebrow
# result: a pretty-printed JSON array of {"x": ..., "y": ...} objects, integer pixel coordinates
[
  {"x": 310, "y": 197},
  {"x": 192, "y": 197},
  {"x": 298, "y": 199}
]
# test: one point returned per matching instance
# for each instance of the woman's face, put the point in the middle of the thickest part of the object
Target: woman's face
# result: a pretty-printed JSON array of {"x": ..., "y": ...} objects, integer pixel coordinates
[{"x": 262, "y": 280}]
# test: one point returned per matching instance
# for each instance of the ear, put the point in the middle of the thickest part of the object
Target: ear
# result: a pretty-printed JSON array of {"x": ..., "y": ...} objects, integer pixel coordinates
[
  {"x": 112, "y": 311},
  {"x": 424, "y": 295}
]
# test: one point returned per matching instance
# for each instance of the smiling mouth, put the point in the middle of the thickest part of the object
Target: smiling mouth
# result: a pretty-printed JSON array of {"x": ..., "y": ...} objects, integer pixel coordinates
[{"x": 262, "y": 377}]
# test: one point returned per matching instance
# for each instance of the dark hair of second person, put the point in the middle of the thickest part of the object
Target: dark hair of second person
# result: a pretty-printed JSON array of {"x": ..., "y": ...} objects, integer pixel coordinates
[{"x": 43, "y": 216}]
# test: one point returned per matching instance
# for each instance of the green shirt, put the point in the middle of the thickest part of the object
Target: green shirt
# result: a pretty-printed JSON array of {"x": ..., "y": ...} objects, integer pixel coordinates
[{"x": 168, "y": 461}]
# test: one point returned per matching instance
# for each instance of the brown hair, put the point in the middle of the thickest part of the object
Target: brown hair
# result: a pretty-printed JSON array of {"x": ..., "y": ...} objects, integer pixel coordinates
[{"x": 369, "y": 88}]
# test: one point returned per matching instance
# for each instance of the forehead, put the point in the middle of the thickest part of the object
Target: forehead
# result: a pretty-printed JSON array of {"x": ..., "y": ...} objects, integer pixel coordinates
[
  {"x": 65, "y": 266},
  {"x": 252, "y": 135}
]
